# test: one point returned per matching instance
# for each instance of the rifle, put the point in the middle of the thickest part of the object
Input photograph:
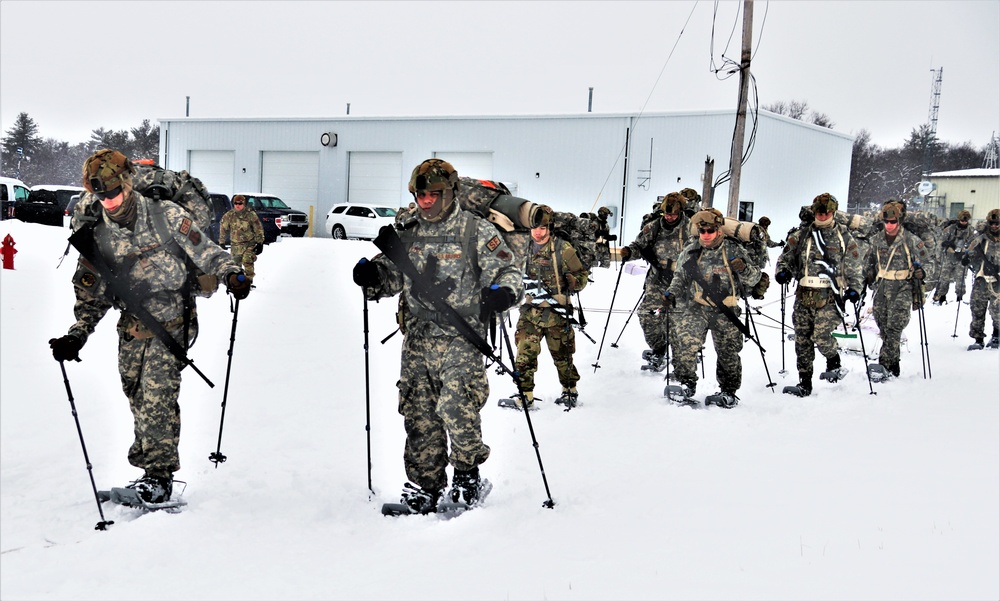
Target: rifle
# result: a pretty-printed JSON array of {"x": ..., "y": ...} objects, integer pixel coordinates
[
  {"x": 83, "y": 241},
  {"x": 564, "y": 311},
  {"x": 717, "y": 298}
]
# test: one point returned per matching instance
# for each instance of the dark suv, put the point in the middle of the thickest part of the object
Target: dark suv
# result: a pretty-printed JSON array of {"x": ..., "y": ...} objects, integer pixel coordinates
[
  {"x": 220, "y": 206},
  {"x": 276, "y": 217},
  {"x": 47, "y": 204}
]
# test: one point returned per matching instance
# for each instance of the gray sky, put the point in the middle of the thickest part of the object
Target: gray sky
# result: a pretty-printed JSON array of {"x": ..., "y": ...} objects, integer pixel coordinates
[{"x": 76, "y": 66}]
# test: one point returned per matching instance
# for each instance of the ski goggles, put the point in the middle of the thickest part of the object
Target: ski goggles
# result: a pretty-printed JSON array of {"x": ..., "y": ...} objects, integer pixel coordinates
[{"x": 108, "y": 193}]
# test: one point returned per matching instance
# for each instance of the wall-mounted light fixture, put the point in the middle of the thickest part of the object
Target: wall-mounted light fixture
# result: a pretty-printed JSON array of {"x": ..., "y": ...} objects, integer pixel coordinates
[{"x": 328, "y": 139}]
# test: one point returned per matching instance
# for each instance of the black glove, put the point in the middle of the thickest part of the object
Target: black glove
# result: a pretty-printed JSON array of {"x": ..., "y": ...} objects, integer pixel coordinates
[
  {"x": 259, "y": 248},
  {"x": 965, "y": 259},
  {"x": 66, "y": 348},
  {"x": 494, "y": 299},
  {"x": 852, "y": 295},
  {"x": 918, "y": 273},
  {"x": 669, "y": 302},
  {"x": 783, "y": 277},
  {"x": 366, "y": 274},
  {"x": 626, "y": 253},
  {"x": 611, "y": 237},
  {"x": 238, "y": 285},
  {"x": 781, "y": 244}
]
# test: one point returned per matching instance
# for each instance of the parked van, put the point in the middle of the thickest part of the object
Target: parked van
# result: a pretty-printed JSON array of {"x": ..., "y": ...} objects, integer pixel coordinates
[{"x": 12, "y": 192}]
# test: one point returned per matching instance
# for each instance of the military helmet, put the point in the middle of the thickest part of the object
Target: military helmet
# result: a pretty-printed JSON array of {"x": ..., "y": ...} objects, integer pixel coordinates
[
  {"x": 964, "y": 215},
  {"x": 893, "y": 209},
  {"x": 542, "y": 216},
  {"x": 709, "y": 218},
  {"x": 433, "y": 175},
  {"x": 603, "y": 212},
  {"x": 106, "y": 170},
  {"x": 239, "y": 198},
  {"x": 824, "y": 203},
  {"x": 764, "y": 222},
  {"x": 691, "y": 195},
  {"x": 993, "y": 217},
  {"x": 673, "y": 204}
]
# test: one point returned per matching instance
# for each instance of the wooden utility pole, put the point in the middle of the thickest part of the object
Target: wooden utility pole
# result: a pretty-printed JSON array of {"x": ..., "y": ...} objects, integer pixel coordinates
[{"x": 736, "y": 159}]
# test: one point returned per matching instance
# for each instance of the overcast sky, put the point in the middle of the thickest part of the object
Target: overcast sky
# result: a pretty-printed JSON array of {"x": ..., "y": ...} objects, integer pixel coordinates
[{"x": 77, "y": 66}]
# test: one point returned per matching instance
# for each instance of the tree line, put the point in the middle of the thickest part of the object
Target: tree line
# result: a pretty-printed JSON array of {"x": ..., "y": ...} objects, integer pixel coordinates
[{"x": 877, "y": 173}]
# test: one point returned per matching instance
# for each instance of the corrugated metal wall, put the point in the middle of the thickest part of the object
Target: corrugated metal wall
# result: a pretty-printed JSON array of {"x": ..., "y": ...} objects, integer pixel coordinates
[{"x": 574, "y": 163}]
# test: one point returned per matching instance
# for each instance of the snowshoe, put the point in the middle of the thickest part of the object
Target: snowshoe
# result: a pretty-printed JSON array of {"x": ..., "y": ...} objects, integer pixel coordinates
[
  {"x": 834, "y": 375},
  {"x": 878, "y": 373},
  {"x": 516, "y": 402},
  {"x": 726, "y": 400},
  {"x": 796, "y": 391},
  {"x": 977, "y": 345},
  {"x": 413, "y": 501},
  {"x": 145, "y": 494},
  {"x": 680, "y": 394},
  {"x": 568, "y": 399},
  {"x": 450, "y": 509},
  {"x": 994, "y": 343},
  {"x": 655, "y": 363}
]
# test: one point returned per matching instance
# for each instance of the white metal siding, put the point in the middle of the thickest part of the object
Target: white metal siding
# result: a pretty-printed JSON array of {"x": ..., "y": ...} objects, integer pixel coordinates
[
  {"x": 214, "y": 168},
  {"x": 374, "y": 177},
  {"x": 291, "y": 176},
  {"x": 478, "y": 165}
]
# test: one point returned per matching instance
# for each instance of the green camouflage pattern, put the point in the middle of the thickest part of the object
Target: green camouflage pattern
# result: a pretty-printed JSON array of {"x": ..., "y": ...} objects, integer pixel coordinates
[
  {"x": 893, "y": 300},
  {"x": 550, "y": 265},
  {"x": 692, "y": 321},
  {"x": 579, "y": 231},
  {"x": 664, "y": 243},
  {"x": 602, "y": 246},
  {"x": 984, "y": 262},
  {"x": 245, "y": 231},
  {"x": 443, "y": 384},
  {"x": 955, "y": 241}
]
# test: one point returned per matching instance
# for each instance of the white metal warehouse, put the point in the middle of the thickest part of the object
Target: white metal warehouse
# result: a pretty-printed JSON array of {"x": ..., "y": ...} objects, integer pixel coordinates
[{"x": 575, "y": 163}]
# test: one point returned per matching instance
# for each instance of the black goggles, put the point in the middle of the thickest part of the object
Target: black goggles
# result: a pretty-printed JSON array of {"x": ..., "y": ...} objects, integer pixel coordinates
[{"x": 108, "y": 193}]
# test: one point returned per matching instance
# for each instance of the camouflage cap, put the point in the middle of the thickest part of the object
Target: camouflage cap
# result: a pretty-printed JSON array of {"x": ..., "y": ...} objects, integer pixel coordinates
[
  {"x": 893, "y": 209},
  {"x": 106, "y": 170},
  {"x": 542, "y": 216},
  {"x": 764, "y": 221},
  {"x": 239, "y": 198},
  {"x": 824, "y": 203},
  {"x": 673, "y": 204},
  {"x": 964, "y": 215},
  {"x": 603, "y": 212},
  {"x": 691, "y": 194},
  {"x": 993, "y": 217},
  {"x": 433, "y": 175},
  {"x": 708, "y": 218}
]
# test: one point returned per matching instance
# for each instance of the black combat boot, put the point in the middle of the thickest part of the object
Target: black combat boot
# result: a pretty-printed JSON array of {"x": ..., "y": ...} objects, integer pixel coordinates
[
  {"x": 153, "y": 489},
  {"x": 833, "y": 363},
  {"x": 466, "y": 486},
  {"x": 420, "y": 500}
]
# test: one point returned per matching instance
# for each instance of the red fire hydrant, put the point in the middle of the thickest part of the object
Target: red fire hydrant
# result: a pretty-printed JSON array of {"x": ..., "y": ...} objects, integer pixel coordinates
[{"x": 8, "y": 251}]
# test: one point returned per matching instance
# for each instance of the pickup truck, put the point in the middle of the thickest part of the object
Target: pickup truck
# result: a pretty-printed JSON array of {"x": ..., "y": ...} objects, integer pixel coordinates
[
  {"x": 47, "y": 204},
  {"x": 276, "y": 217}
]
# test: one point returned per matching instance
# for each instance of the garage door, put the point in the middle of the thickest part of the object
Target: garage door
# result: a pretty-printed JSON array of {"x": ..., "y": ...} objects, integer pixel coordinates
[
  {"x": 291, "y": 176},
  {"x": 478, "y": 165},
  {"x": 376, "y": 178},
  {"x": 215, "y": 169}
]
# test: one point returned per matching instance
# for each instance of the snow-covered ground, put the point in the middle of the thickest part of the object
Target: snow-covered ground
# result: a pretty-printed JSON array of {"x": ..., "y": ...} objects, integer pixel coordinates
[{"x": 841, "y": 495}]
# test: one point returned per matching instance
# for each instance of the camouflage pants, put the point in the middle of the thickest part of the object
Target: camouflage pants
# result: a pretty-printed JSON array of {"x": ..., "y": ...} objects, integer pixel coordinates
[
  {"x": 951, "y": 270},
  {"x": 814, "y": 327},
  {"x": 982, "y": 298},
  {"x": 693, "y": 324},
  {"x": 892, "y": 304},
  {"x": 603, "y": 256},
  {"x": 244, "y": 255},
  {"x": 651, "y": 317},
  {"x": 534, "y": 325},
  {"x": 151, "y": 379},
  {"x": 442, "y": 389}
]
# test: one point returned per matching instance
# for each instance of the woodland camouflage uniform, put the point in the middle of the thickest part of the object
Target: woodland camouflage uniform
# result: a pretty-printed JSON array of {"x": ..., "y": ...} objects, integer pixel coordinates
[
  {"x": 956, "y": 239},
  {"x": 443, "y": 384},
  {"x": 889, "y": 271},
  {"x": 603, "y": 242},
  {"x": 718, "y": 265},
  {"x": 244, "y": 229},
  {"x": 984, "y": 262},
  {"x": 130, "y": 243},
  {"x": 818, "y": 307},
  {"x": 553, "y": 274}
]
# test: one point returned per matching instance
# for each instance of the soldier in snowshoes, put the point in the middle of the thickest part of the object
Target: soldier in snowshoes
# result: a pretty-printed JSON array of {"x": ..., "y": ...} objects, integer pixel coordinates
[
  {"x": 712, "y": 275},
  {"x": 895, "y": 269},
  {"x": 823, "y": 258},
  {"x": 983, "y": 260},
  {"x": 604, "y": 238},
  {"x": 144, "y": 245},
  {"x": 553, "y": 274},
  {"x": 443, "y": 384},
  {"x": 956, "y": 240},
  {"x": 241, "y": 226},
  {"x": 660, "y": 243}
]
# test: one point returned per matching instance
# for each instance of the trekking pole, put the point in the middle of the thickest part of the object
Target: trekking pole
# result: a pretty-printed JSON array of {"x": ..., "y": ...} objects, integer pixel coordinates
[
  {"x": 103, "y": 524},
  {"x": 784, "y": 292},
  {"x": 631, "y": 313},
  {"x": 368, "y": 414},
  {"x": 549, "y": 503},
  {"x": 771, "y": 383},
  {"x": 861, "y": 339},
  {"x": 918, "y": 297},
  {"x": 958, "y": 310},
  {"x": 667, "y": 353},
  {"x": 597, "y": 361},
  {"x": 217, "y": 457}
]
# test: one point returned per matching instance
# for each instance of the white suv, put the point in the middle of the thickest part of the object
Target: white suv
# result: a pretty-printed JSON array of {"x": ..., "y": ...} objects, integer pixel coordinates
[{"x": 358, "y": 220}]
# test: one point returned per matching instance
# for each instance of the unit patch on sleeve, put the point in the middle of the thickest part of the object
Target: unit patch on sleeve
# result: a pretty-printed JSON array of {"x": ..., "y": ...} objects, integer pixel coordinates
[
  {"x": 493, "y": 243},
  {"x": 185, "y": 226}
]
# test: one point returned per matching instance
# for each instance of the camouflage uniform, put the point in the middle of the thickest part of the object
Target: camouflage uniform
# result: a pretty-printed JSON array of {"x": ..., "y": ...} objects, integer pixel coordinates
[
  {"x": 443, "y": 384},
  {"x": 889, "y": 272},
  {"x": 956, "y": 241},
  {"x": 660, "y": 243},
  {"x": 150, "y": 373},
  {"x": 246, "y": 232},
  {"x": 818, "y": 308},
  {"x": 603, "y": 244},
  {"x": 984, "y": 262},
  {"x": 547, "y": 287},
  {"x": 697, "y": 315}
]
